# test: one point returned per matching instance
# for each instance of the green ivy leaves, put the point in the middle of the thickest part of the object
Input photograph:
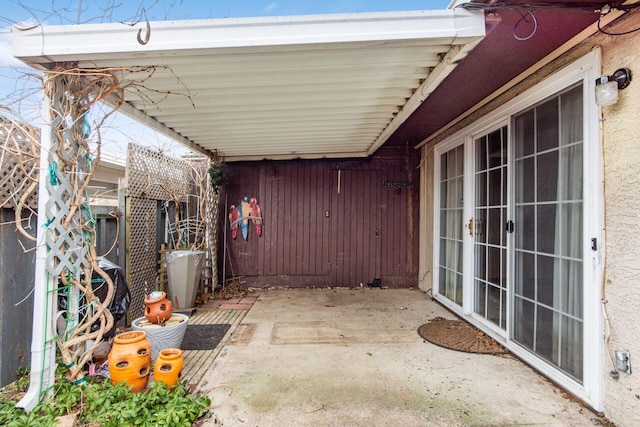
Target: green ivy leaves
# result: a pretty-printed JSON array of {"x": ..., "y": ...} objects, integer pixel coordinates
[{"x": 107, "y": 405}]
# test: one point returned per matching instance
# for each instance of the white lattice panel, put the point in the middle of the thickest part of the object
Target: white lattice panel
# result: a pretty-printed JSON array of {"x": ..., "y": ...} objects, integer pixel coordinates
[
  {"x": 19, "y": 159},
  {"x": 67, "y": 211},
  {"x": 153, "y": 175}
]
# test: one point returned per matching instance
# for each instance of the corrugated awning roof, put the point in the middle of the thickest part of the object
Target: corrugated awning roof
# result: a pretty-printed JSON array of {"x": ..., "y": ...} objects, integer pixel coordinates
[{"x": 272, "y": 88}]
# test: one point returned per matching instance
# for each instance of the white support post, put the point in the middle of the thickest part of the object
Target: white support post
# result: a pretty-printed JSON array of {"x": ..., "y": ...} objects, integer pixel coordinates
[{"x": 43, "y": 351}]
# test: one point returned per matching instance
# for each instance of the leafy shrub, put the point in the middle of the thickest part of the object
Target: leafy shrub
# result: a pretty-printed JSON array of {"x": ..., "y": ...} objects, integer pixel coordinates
[{"x": 99, "y": 403}]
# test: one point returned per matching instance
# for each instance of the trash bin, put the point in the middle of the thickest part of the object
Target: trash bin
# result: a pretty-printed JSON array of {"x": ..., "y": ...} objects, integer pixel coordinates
[{"x": 184, "y": 269}]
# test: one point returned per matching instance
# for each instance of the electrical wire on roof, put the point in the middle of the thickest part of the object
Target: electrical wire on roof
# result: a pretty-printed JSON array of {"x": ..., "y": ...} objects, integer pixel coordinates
[
  {"x": 616, "y": 34},
  {"x": 524, "y": 19},
  {"x": 528, "y": 10},
  {"x": 546, "y": 5},
  {"x": 605, "y": 10}
]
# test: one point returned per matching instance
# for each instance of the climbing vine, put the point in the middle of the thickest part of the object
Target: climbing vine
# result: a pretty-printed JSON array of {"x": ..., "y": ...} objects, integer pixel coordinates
[
  {"x": 72, "y": 153},
  {"x": 70, "y": 235}
]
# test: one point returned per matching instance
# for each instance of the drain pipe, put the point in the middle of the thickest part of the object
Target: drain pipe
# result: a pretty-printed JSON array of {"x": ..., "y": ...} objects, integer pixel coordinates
[{"x": 43, "y": 350}]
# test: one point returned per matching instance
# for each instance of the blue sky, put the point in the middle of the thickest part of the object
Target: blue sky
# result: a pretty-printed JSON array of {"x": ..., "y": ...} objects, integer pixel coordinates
[
  {"x": 83, "y": 11},
  {"x": 19, "y": 90}
]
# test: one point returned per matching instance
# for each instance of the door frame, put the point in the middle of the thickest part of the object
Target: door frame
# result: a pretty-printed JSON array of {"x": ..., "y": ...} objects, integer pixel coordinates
[{"x": 586, "y": 70}]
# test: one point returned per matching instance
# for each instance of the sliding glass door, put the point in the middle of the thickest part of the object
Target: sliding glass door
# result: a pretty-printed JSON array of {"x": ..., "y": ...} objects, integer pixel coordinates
[
  {"x": 518, "y": 227},
  {"x": 521, "y": 227}
]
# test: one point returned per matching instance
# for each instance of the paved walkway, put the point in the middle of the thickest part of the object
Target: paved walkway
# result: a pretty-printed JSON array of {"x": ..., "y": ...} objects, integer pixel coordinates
[
  {"x": 231, "y": 312},
  {"x": 353, "y": 358},
  {"x": 198, "y": 362}
]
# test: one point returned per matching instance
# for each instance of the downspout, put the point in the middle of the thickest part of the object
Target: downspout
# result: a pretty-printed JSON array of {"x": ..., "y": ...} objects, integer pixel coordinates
[{"x": 43, "y": 350}]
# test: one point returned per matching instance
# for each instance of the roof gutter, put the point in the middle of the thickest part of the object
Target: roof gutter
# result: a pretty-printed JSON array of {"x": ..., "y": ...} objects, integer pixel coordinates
[{"x": 48, "y": 44}]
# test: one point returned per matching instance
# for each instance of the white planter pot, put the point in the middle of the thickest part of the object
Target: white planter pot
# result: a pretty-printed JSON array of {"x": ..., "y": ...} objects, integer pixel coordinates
[
  {"x": 184, "y": 269},
  {"x": 161, "y": 337}
]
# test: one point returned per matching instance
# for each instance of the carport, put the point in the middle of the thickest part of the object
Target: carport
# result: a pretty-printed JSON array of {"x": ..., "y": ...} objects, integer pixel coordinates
[
  {"x": 269, "y": 88},
  {"x": 337, "y": 86},
  {"x": 236, "y": 89}
]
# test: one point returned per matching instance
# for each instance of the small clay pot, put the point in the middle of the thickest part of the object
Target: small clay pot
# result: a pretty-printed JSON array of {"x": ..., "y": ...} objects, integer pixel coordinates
[
  {"x": 130, "y": 360},
  {"x": 168, "y": 366},
  {"x": 157, "y": 307}
]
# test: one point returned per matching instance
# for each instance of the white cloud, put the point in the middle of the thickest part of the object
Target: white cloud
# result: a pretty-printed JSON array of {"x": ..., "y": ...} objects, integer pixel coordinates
[
  {"x": 271, "y": 7},
  {"x": 6, "y": 51}
]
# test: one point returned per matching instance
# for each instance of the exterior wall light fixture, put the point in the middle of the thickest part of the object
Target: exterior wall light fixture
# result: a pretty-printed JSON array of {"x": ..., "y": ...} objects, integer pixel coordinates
[{"x": 607, "y": 87}]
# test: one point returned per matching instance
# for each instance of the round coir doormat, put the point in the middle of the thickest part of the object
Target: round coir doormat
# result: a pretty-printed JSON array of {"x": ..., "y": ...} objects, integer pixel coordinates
[{"x": 459, "y": 335}]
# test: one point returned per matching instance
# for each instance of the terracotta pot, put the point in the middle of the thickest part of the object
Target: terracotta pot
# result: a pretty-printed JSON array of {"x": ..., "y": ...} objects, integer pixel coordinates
[
  {"x": 130, "y": 360},
  {"x": 157, "y": 307},
  {"x": 168, "y": 366}
]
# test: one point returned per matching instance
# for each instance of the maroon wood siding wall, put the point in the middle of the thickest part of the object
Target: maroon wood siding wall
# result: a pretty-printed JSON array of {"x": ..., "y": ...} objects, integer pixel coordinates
[{"x": 327, "y": 222}]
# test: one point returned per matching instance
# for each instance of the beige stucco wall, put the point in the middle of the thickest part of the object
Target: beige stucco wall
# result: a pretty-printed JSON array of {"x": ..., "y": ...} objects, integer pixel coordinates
[
  {"x": 425, "y": 265},
  {"x": 621, "y": 155},
  {"x": 621, "y": 152}
]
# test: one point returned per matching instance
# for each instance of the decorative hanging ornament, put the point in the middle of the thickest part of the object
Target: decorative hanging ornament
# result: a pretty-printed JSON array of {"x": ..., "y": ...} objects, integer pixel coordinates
[{"x": 239, "y": 216}]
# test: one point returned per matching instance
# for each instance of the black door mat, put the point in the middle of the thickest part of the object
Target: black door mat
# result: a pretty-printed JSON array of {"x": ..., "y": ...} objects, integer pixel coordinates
[
  {"x": 460, "y": 336},
  {"x": 204, "y": 337}
]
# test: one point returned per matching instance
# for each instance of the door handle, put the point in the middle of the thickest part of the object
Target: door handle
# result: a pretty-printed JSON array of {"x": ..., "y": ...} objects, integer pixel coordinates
[{"x": 509, "y": 227}]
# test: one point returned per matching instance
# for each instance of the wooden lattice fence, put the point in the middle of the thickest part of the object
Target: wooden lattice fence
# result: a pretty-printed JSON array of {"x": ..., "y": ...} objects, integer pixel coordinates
[
  {"x": 19, "y": 161},
  {"x": 141, "y": 250},
  {"x": 152, "y": 175},
  {"x": 152, "y": 179}
]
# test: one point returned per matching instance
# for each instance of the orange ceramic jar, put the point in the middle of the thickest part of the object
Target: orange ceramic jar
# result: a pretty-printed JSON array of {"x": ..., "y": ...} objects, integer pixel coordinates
[
  {"x": 168, "y": 366},
  {"x": 157, "y": 307},
  {"x": 130, "y": 360}
]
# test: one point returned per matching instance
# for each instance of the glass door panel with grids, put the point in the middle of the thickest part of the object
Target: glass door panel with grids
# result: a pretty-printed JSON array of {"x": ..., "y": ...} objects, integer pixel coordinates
[
  {"x": 451, "y": 209},
  {"x": 548, "y": 213},
  {"x": 490, "y": 220}
]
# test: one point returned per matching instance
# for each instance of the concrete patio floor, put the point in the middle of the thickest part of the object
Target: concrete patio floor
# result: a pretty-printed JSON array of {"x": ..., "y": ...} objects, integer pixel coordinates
[{"x": 353, "y": 357}]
